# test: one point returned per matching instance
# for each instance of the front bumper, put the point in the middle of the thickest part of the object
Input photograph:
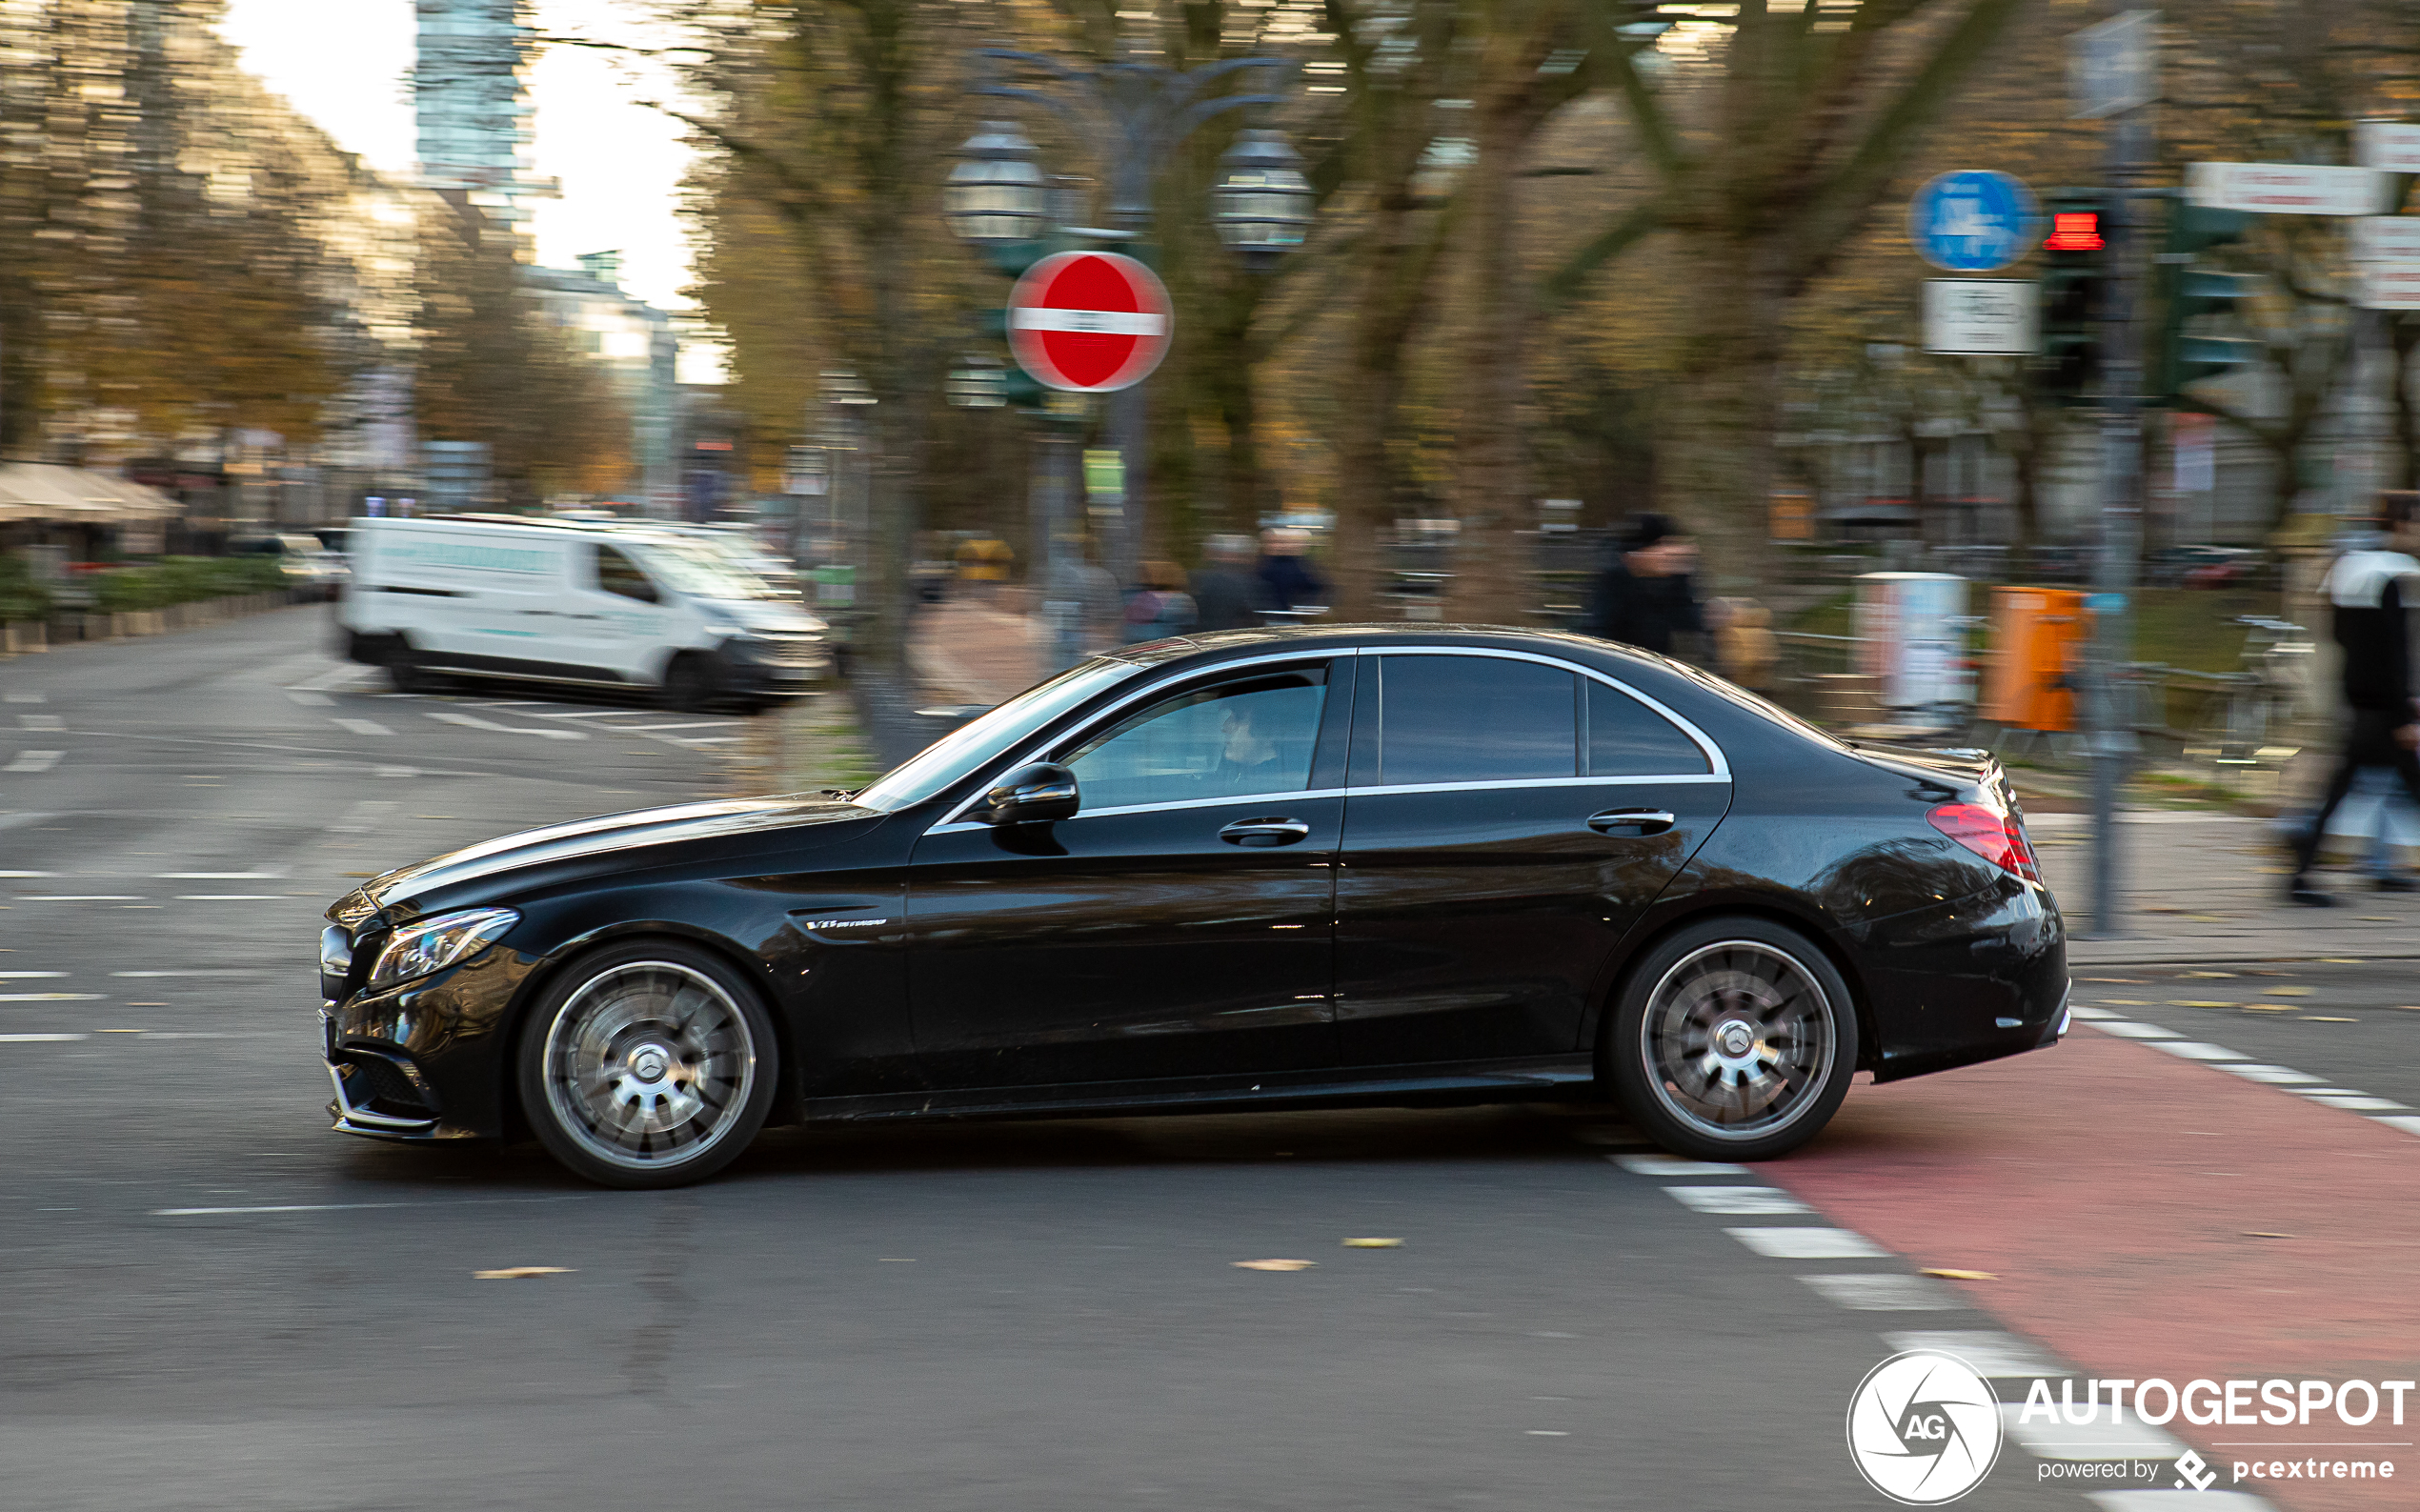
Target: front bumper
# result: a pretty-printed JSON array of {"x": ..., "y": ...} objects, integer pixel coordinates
[
  {"x": 426, "y": 1060},
  {"x": 763, "y": 669}
]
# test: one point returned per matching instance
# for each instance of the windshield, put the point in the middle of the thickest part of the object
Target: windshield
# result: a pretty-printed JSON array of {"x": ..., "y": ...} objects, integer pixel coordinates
[
  {"x": 957, "y": 755},
  {"x": 702, "y": 572}
]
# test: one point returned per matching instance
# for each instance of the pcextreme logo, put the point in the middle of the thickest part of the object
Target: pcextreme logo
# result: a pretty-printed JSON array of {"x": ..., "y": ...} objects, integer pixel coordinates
[{"x": 1924, "y": 1428}]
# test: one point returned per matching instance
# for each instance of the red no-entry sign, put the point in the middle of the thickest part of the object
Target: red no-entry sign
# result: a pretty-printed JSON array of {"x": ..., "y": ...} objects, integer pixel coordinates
[{"x": 1089, "y": 322}]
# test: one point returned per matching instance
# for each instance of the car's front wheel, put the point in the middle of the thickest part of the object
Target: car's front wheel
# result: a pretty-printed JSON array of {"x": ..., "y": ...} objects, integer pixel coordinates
[
  {"x": 649, "y": 1064},
  {"x": 1733, "y": 1040}
]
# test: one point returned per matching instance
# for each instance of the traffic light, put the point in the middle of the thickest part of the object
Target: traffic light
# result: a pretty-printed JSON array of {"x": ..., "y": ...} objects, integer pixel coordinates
[
  {"x": 2075, "y": 280},
  {"x": 2187, "y": 293}
]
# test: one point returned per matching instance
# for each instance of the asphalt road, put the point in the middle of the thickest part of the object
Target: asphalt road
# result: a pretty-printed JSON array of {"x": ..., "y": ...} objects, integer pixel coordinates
[{"x": 215, "y": 1303}]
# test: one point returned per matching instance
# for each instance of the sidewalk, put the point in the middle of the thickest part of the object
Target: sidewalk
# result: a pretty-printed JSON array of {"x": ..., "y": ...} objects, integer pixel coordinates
[{"x": 2209, "y": 887}]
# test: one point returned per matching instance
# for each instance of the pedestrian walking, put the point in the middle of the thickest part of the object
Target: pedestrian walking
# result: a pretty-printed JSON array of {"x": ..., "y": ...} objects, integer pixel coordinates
[
  {"x": 2368, "y": 593},
  {"x": 1287, "y": 577},
  {"x": 1226, "y": 593},
  {"x": 1160, "y": 607},
  {"x": 1645, "y": 596}
]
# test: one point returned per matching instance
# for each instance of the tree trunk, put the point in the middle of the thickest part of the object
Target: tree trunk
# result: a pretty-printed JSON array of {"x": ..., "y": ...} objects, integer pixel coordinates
[
  {"x": 1718, "y": 453},
  {"x": 1491, "y": 582},
  {"x": 1395, "y": 281}
]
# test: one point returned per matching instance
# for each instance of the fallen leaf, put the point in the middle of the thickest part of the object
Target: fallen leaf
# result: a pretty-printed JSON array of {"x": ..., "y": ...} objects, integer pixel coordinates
[
  {"x": 1960, "y": 1276},
  {"x": 2210, "y": 974},
  {"x": 1273, "y": 1265},
  {"x": 1373, "y": 1243},
  {"x": 2325, "y": 1018},
  {"x": 2290, "y": 991},
  {"x": 2132, "y": 981},
  {"x": 2253, "y": 1232},
  {"x": 2199, "y": 1002},
  {"x": 2271, "y": 1008},
  {"x": 2365, "y": 919},
  {"x": 514, "y": 1273}
]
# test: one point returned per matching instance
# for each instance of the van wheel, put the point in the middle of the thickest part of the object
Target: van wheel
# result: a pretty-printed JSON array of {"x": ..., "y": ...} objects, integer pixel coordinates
[
  {"x": 689, "y": 683},
  {"x": 405, "y": 671}
]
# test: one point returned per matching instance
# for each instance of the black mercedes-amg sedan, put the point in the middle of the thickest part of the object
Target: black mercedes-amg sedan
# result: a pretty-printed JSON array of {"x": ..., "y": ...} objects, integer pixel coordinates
[{"x": 1284, "y": 868}]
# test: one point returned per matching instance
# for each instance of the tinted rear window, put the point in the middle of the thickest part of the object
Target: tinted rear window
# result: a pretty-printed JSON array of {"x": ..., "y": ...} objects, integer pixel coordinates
[
  {"x": 1475, "y": 719},
  {"x": 1628, "y": 739}
]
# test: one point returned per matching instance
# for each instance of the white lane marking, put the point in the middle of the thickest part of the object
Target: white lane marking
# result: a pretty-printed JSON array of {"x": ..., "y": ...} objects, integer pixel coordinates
[
  {"x": 80, "y": 898},
  {"x": 582, "y": 714},
  {"x": 2274, "y": 1076},
  {"x": 702, "y": 740},
  {"x": 27, "y": 697},
  {"x": 221, "y": 877},
  {"x": 2094, "y": 1014},
  {"x": 2195, "y": 1050},
  {"x": 2358, "y": 1102},
  {"x": 2126, "y": 1029},
  {"x": 38, "y": 1039},
  {"x": 11, "y": 821},
  {"x": 283, "y": 1207},
  {"x": 40, "y": 722},
  {"x": 340, "y": 673},
  {"x": 1887, "y": 1293},
  {"x": 1673, "y": 1165},
  {"x": 1995, "y": 1356},
  {"x": 695, "y": 724},
  {"x": 308, "y": 700},
  {"x": 475, "y": 722},
  {"x": 201, "y": 971},
  {"x": 1741, "y": 1200},
  {"x": 20, "y": 976},
  {"x": 227, "y": 897},
  {"x": 1809, "y": 1243},
  {"x": 391, "y": 773},
  {"x": 49, "y": 996},
  {"x": 2092, "y": 1441},
  {"x": 2408, "y": 1126},
  {"x": 368, "y": 727},
  {"x": 34, "y": 761},
  {"x": 2166, "y": 1501}
]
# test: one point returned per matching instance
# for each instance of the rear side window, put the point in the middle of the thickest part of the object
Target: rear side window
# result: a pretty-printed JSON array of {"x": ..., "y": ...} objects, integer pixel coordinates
[
  {"x": 1628, "y": 739},
  {"x": 1474, "y": 719}
]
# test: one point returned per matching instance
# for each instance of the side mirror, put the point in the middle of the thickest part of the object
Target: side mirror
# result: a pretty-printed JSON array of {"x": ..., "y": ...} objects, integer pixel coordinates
[{"x": 1034, "y": 795}]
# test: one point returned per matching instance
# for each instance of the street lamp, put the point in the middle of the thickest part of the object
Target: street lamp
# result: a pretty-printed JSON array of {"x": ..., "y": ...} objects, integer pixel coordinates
[
  {"x": 1261, "y": 204},
  {"x": 997, "y": 195}
]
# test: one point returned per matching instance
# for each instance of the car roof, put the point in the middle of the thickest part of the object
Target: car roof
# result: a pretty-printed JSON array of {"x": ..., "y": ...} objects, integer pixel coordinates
[{"x": 1379, "y": 636}]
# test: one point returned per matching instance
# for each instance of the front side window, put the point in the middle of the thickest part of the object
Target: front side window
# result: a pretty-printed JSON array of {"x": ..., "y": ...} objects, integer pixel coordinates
[
  {"x": 1229, "y": 740},
  {"x": 618, "y": 573},
  {"x": 1474, "y": 719}
]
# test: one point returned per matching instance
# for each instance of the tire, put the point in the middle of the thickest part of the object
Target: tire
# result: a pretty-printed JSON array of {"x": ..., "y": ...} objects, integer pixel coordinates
[
  {"x": 689, "y": 683},
  {"x": 1708, "y": 1027},
  {"x": 648, "y": 1064},
  {"x": 405, "y": 671}
]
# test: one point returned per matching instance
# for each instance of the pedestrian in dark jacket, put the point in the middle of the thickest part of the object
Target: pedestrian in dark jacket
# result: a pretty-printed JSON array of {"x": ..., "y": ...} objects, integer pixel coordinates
[
  {"x": 1286, "y": 577},
  {"x": 2370, "y": 592},
  {"x": 1226, "y": 590},
  {"x": 1644, "y": 596}
]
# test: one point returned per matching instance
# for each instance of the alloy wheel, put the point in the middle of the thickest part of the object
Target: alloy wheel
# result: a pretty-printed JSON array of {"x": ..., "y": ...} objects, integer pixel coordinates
[
  {"x": 1738, "y": 1040},
  {"x": 649, "y": 1065}
]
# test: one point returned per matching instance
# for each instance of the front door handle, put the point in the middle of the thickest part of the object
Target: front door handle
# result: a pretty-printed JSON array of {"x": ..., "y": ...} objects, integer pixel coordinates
[
  {"x": 1264, "y": 832},
  {"x": 1631, "y": 823}
]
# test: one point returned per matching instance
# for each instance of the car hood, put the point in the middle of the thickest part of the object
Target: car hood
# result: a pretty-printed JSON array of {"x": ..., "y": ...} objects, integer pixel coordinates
[
  {"x": 565, "y": 852},
  {"x": 762, "y": 614}
]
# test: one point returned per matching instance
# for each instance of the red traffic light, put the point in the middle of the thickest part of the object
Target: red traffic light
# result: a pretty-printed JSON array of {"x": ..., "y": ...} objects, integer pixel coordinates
[{"x": 2074, "y": 230}]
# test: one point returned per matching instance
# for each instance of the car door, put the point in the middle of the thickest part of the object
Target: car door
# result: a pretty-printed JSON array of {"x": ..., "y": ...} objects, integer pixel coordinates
[
  {"x": 1180, "y": 925},
  {"x": 618, "y": 614},
  {"x": 1507, "y": 819}
]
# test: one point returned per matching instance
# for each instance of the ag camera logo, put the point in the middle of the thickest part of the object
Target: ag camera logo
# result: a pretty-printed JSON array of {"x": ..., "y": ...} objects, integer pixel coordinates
[{"x": 1924, "y": 1428}]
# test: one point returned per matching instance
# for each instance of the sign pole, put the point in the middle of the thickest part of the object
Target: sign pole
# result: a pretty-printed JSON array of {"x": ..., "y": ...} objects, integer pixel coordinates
[{"x": 2114, "y": 579}]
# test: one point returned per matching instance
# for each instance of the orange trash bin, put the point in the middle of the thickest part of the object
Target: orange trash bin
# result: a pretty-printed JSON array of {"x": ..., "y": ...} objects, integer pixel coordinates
[{"x": 2037, "y": 649}]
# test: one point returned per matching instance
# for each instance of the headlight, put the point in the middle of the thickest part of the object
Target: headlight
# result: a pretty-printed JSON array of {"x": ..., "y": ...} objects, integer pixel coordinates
[{"x": 433, "y": 944}]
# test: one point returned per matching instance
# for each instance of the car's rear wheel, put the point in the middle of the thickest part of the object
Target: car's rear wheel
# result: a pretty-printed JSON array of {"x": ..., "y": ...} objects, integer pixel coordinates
[
  {"x": 1734, "y": 1040},
  {"x": 647, "y": 1065}
]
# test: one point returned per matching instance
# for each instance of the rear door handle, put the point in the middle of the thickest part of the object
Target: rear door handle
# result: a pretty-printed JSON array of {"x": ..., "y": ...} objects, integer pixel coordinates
[
  {"x": 1631, "y": 822},
  {"x": 1264, "y": 832}
]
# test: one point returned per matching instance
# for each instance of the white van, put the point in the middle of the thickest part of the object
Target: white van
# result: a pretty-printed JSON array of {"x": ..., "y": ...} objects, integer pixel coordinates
[{"x": 566, "y": 601}]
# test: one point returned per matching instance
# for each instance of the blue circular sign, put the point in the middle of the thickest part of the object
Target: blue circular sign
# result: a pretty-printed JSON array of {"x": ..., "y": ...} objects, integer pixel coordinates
[{"x": 1978, "y": 220}]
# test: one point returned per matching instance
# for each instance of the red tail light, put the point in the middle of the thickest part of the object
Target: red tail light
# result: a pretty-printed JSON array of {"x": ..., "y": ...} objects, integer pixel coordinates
[{"x": 1997, "y": 838}]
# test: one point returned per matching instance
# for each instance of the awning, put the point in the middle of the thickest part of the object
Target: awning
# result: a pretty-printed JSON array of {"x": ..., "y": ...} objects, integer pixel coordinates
[{"x": 75, "y": 496}]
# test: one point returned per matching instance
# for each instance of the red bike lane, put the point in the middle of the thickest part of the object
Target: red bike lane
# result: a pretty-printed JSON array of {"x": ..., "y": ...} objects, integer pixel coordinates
[{"x": 2122, "y": 1199}]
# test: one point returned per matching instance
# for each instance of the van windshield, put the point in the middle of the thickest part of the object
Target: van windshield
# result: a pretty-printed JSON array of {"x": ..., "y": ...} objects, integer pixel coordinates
[{"x": 702, "y": 573}]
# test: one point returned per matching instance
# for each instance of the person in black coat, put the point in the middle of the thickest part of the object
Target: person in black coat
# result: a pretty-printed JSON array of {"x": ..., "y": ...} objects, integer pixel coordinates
[
  {"x": 1643, "y": 595},
  {"x": 2371, "y": 593},
  {"x": 1226, "y": 592}
]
